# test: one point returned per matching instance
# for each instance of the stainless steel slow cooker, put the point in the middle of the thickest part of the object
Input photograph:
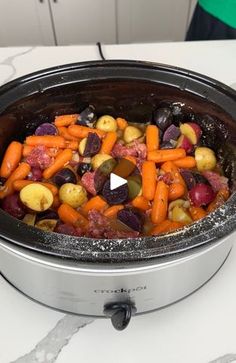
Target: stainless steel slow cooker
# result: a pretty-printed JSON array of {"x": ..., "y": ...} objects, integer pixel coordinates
[{"x": 116, "y": 278}]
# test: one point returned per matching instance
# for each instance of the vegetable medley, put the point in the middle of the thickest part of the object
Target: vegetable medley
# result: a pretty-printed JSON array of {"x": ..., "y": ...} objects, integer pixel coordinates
[{"x": 59, "y": 178}]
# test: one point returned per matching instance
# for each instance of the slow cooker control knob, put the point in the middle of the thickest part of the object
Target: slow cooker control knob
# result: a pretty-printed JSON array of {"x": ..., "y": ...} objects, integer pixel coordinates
[{"x": 120, "y": 314}]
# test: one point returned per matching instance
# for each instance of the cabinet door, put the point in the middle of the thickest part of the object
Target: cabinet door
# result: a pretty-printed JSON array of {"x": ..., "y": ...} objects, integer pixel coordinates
[
  {"x": 84, "y": 21},
  {"x": 152, "y": 20},
  {"x": 25, "y": 22}
]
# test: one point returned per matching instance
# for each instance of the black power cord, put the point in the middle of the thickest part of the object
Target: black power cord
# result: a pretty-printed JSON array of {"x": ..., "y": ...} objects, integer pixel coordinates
[{"x": 99, "y": 45}]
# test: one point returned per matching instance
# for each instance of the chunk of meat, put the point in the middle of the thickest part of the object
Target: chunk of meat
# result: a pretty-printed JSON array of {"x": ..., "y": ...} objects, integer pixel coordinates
[
  {"x": 99, "y": 225},
  {"x": 136, "y": 149},
  {"x": 216, "y": 181},
  {"x": 88, "y": 182},
  {"x": 68, "y": 229},
  {"x": 39, "y": 158},
  {"x": 121, "y": 234}
]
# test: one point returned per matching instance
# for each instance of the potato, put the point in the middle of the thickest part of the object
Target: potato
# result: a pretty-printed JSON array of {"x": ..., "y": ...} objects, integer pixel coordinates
[
  {"x": 105, "y": 161},
  {"x": 29, "y": 219},
  {"x": 36, "y": 197},
  {"x": 205, "y": 158},
  {"x": 47, "y": 225},
  {"x": 106, "y": 123},
  {"x": 82, "y": 145},
  {"x": 180, "y": 203},
  {"x": 131, "y": 133},
  {"x": 179, "y": 214},
  {"x": 73, "y": 194}
]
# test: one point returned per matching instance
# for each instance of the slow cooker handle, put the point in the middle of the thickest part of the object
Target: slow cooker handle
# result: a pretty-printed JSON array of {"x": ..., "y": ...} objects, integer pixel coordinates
[{"x": 120, "y": 314}]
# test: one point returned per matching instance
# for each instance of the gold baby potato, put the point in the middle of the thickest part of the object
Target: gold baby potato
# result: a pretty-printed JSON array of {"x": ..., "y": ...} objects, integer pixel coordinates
[
  {"x": 205, "y": 158},
  {"x": 131, "y": 133},
  {"x": 106, "y": 123},
  {"x": 46, "y": 225},
  {"x": 36, "y": 197},
  {"x": 103, "y": 160},
  {"x": 73, "y": 194},
  {"x": 82, "y": 145}
]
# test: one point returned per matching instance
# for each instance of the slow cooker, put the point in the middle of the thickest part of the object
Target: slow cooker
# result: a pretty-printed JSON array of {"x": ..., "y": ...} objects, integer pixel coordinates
[{"x": 116, "y": 278}]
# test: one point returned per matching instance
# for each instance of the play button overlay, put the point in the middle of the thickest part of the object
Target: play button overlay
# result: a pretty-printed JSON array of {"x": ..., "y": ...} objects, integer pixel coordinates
[{"x": 116, "y": 181}]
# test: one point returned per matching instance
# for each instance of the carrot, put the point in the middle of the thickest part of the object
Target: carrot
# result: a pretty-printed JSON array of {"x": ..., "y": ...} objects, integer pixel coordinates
[
  {"x": 141, "y": 203},
  {"x": 11, "y": 159},
  {"x": 121, "y": 123},
  {"x": 20, "y": 184},
  {"x": 125, "y": 166},
  {"x": 221, "y": 197},
  {"x": 149, "y": 179},
  {"x": 56, "y": 202},
  {"x": 64, "y": 133},
  {"x": 59, "y": 162},
  {"x": 69, "y": 215},
  {"x": 83, "y": 131},
  {"x": 27, "y": 150},
  {"x": 112, "y": 211},
  {"x": 176, "y": 177},
  {"x": 160, "y": 203},
  {"x": 47, "y": 140},
  {"x": 176, "y": 190},
  {"x": 152, "y": 138},
  {"x": 73, "y": 145},
  {"x": 160, "y": 156},
  {"x": 108, "y": 142},
  {"x": 188, "y": 162},
  {"x": 197, "y": 213},
  {"x": 65, "y": 120},
  {"x": 20, "y": 172},
  {"x": 97, "y": 203},
  {"x": 166, "y": 226}
]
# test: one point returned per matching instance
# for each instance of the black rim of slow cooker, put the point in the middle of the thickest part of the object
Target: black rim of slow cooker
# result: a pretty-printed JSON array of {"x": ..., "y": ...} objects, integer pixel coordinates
[{"x": 214, "y": 227}]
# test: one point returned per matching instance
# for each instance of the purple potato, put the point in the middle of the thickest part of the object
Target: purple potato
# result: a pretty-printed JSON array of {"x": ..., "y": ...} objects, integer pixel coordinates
[
  {"x": 12, "y": 205},
  {"x": 115, "y": 196},
  {"x": 47, "y": 214},
  {"x": 131, "y": 218},
  {"x": 63, "y": 176},
  {"x": 87, "y": 117},
  {"x": 93, "y": 145},
  {"x": 46, "y": 129},
  {"x": 162, "y": 117},
  {"x": 167, "y": 145},
  {"x": 171, "y": 133},
  {"x": 83, "y": 168},
  {"x": 188, "y": 177},
  {"x": 36, "y": 174},
  {"x": 199, "y": 178}
]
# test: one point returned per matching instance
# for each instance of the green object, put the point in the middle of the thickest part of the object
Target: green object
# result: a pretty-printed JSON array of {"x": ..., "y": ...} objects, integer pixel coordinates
[{"x": 224, "y": 10}]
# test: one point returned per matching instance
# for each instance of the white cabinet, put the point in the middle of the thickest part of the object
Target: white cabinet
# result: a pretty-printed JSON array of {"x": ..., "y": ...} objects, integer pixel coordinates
[
  {"x": 152, "y": 20},
  {"x": 84, "y": 21},
  {"x": 25, "y": 22}
]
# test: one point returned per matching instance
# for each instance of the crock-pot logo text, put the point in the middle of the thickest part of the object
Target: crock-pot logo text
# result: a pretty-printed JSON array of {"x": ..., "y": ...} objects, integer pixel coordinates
[{"x": 118, "y": 291}]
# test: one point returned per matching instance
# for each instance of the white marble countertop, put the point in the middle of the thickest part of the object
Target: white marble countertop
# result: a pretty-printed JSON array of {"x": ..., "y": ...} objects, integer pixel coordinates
[{"x": 199, "y": 329}]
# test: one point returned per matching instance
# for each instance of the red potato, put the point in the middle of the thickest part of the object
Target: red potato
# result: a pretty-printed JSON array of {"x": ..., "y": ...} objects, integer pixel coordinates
[
  {"x": 201, "y": 194},
  {"x": 192, "y": 131},
  {"x": 184, "y": 143}
]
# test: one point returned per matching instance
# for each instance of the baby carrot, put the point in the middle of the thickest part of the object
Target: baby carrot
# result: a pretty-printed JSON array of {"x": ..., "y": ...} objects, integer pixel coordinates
[
  {"x": 83, "y": 131},
  {"x": 152, "y": 138},
  {"x": 160, "y": 156},
  {"x": 170, "y": 167},
  {"x": 108, "y": 142},
  {"x": 20, "y": 184},
  {"x": 69, "y": 215},
  {"x": 221, "y": 197},
  {"x": 27, "y": 150},
  {"x": 11, "y": 159},
  {"x": 59, "y": 162},
  {"x": 56, "y": 202},
  {"x": 20, "y": 172},
  {"x": 73, "y": 145},
  {"x": 96, "y": 202},
  {"x": 176, "y": 190},
  {"x": 64, "y": 133},
  {"x": 47, "y": 140},
  {"x": 160, "y": 203},
  {"x": 112, "y": 211},
  {"x": 121, "y": 123},
  {"x": 166, "y": 226},
  {"x": 188, "y": 162},
  {"x": 149, "y": 179},
  {"x": 141, "y": 203},
  {"x": 197, "y": 213},
  {"x": 65, "y": 120}
]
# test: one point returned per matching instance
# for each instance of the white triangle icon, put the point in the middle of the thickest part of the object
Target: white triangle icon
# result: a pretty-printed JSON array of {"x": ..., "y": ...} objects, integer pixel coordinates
[{"x": 116, "y": 181}]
